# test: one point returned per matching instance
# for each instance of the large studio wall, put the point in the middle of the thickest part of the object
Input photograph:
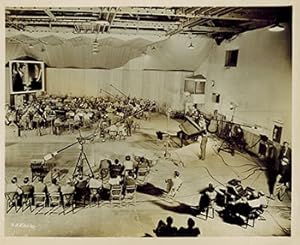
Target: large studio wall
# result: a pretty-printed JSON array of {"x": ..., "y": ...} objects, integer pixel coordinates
[
  {"x": 165, "y": 87},
  {"x": 261, "y": 83}
]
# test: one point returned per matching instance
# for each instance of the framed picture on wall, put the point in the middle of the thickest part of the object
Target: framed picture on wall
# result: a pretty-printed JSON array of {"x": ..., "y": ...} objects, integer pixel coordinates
[{"x": 26, "y": 76}]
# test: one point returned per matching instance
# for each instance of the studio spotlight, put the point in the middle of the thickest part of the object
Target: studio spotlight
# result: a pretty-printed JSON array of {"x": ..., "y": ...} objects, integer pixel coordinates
[
  {"x": 276, "y": 28},
  {"x": 191, "y": 46}
]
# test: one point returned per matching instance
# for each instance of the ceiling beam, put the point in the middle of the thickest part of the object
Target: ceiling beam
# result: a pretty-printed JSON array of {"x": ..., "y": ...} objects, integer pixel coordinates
[
  {"x": 204, "y": 18},
  {"x": 120, "y": 10},
  {"x": 213, "y": 29},
  {"x": 50, "y": 14}
]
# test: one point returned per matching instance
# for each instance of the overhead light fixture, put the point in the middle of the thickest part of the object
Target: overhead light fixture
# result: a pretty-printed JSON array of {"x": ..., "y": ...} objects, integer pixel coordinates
[
  {"x": 191, "y": 46},
  {"x": 276, "y": 27}
]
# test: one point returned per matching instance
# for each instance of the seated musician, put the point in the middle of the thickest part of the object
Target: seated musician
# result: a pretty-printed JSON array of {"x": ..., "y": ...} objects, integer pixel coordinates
[
  {"x": 40, "y": 186},
  {"x": 129, "y": 179},
  {"x": 13, "y": 187},
  {"x": 77, "y": 120},
  {"x": 141, "y": 163},
  {"x": 58, "y": 123},
  {"x": 36, "y": 120},
  {"x": 54, "y": 187},
  {"x": 115, "y": 180},
  {"x": 121, "y": 130},
  {"x": 116, "y": 168},
  {"x": 128, "y": 165},
  {"x": 25, "y": 121},
  {"x": 86, "y": 120},
  {"x": 95, "y": 186},
  {"x": 113, "y": 131},
  {"x": 81, "y": 187},
  {"x": 27, "y": 188}
]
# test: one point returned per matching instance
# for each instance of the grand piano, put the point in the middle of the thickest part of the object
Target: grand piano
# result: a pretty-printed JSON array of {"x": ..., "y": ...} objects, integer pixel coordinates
[{"x": 190, "y": 131}]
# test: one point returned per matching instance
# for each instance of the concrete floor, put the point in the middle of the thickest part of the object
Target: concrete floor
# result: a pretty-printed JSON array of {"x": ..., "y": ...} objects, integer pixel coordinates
[{"x": 142, "y": 219}]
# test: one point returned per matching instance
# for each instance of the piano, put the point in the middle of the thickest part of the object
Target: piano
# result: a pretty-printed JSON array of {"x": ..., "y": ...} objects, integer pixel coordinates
[{"x": 190, "y": 130}]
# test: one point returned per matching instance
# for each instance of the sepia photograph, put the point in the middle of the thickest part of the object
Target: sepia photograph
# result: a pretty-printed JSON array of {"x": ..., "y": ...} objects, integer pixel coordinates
[{"x": 148, "y": 121}]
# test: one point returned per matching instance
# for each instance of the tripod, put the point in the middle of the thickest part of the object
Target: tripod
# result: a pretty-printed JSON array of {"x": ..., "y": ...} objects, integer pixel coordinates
[
  {"x": 80, "y": 161},
  {"x": 167, "y": 155}
]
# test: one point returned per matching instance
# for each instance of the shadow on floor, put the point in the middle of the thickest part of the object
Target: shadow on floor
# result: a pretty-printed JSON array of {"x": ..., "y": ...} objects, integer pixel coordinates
[
  {"x": 180, "y": 208},
  {"x": 150, "y": 189}
]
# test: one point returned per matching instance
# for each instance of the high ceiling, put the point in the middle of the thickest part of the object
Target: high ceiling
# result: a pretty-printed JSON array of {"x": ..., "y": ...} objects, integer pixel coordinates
[
  {"x": 215, "y": 22},
  {"x": 109, "y": 37}
]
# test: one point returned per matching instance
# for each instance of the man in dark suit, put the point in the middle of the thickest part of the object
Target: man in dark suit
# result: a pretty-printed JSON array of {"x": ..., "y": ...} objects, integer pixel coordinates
[{"x": 285, "y": 157}]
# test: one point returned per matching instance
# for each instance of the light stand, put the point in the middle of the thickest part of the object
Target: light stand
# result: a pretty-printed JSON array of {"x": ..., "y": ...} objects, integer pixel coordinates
[
  {"x": 167, "y": 144},
  {"x": 81, "y": 158}
]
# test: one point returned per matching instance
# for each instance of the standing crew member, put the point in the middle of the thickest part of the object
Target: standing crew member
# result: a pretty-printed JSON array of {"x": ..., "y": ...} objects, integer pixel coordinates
[{"x": 203, "y": 144}]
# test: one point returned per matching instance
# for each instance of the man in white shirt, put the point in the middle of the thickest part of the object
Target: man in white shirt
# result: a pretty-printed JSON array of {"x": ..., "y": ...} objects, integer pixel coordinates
[
  {"x": 128, "y": 164},
  {"x": 173, "y": 184}
]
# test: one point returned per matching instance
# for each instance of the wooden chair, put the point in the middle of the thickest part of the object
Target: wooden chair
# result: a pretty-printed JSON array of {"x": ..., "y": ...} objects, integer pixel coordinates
[
  {"x": 116, "y": 195},
  {"x": 141, "y": 175},
  {"x": 54, "y": 202},
  {"x": 68, "y": 200},
  {"x": 11, "y": 201},
  {"x": 40, "y": 200},
  {"x": 130, "y": 195},
  {"x": 27, "y": 198},
  {"x": 94, "y": 193}
]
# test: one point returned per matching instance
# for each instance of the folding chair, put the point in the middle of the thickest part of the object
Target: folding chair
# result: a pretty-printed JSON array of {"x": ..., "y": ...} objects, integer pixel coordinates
[
  {"x": 130, "y": 195},
  {"x": 40, "y": 200},
  {"x": 11, "y": 201},
  {"x": 115, "y": 195}
]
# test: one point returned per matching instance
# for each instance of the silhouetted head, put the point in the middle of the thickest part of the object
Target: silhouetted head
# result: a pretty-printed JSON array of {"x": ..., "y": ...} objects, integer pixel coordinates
[
  {"x": 127, "y": 158},
  {"x": 211, "y": 187},
  {"x": 116, "y": 161},
  {"x": 191, "y": 223},
  {"x": 176, "y": 173},
  {"x": 14, "y": 180},
  {"x": 26, "y": 180},
  {"x": 169, "y": 220},
  {"x": 54, "y": 181},
  {"x": 285, "y": 144}
]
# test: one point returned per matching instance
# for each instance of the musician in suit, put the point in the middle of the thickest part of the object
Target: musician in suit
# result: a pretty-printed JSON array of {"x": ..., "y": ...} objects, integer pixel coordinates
[{"x": 285, "y": 157}]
